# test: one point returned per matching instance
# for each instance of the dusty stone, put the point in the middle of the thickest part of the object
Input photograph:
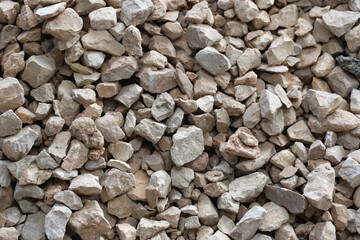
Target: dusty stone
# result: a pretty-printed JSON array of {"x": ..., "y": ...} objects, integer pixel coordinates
[
  {"x": 50, "y": 11},
  {"x": 340, "y": 22},
  {"x": 245, "y": 10},
  {"x": 126, "y": 231},
  {"x": 213, "y": 61},
  {"x": 38, "y": 70},
  {"x": 56, "y": 221},
  {"x": 34, "y": 227},
  {"x": 340, "y": 121},
  {"x": 135, "y": 12},
  {"x": 323, "y": 66},
  {"x": 201, "y": 36},
  {"x": 248, "y": 224},
  {"x": 349, "y": 172},
  {"x": 300, "y": 132},
  {"x": 163, "y": 107},
  {"x": 248, "y": 191},
  {"x": 119, "y": 68},
  {"x": 69, "y": 199},
  {"x": 132, "y": 41},
  {"x": 181, "y": 176},
  {"x": 86, "y": 184},
  {"x": 208, "y": 214},
  {"x": 180, "y": 151},
  {"x": 150, "y": 130},
  {"x": 322, "y": 103},
  {"x": 251, "y": 58},
  {"x": 148, "y": 228},
  {"x": 76, "y": 156},
  {"x": 109, "y": 128},
  {"x": 323, "y": 230},
  {"x": 103, "y": 18},
  {"x": 61, "y": 29},
  {"x": 319, "y": 188},
  {"x": 121, "y": 207},
  {"x": 12, "y": 94},
  {"x": 117, "y": 182},
  {"x": 274, "y": 218},
  {"x": 89, "y": 222},
  {"x": 102, "y": 40},
  {"x": 129, "y": 94},
  {"x": 7, "y": 33},
  {"x": 8, "y": 12},
  {"x": 279, "y": 50},
  {"x": 288, "y": 16},
  {"x": 157, "y": 81},
  {"x": 10, "y": 123}
]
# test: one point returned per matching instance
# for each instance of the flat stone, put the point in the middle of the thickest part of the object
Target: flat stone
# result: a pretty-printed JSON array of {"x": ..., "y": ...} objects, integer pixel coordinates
[
  {"x": 300, "y": 132},
  {"x": 20, "y": 144},
  {"x": 163, "y": 45},
  {"x": 89, "y": 222},
  {"x": 135, "y": 12},
  {"x": 319, "y": 188},
  {"x": 308, "y": 56},
  {"x": 64, "y": 26},
  {"x": 50, "y": 11},
  {"x": 188, "y": 144},
  {"x": 248, "y": 225},
  {"x": 34, "y": 227},
  {"x": 102, "y": 40},
  {"x": 9, "y": 233},
  {"x": 34, "y": 175},
  {"x": 86, "y": 184},
  {"x": 292, "y": 201},
  {"x": 213, "y": 61},
  {"x": 340, "y": 22},
  {"x": 56, "y": 221},
  {"x": 148, "y": 228},
  {"x": 246, "y": 188}
]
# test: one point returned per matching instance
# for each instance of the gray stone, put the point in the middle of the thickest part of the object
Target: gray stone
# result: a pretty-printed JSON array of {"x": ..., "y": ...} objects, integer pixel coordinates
[
  {"x": 38, "y": 70},
  {"x": 158, "y": 81},
  {"x": 69, "y": 198},
  {"x": 150, "y": 130},
  {"x": 340, "y": 22},
  {"x": 10, "y": 123},
  {"x": 135, "y": 12},
  {"x": 246, "y": 188},
  {"x": 188, "y": 144},
  {"x": 34, "y": 227},
  {"x": 11, "y": 94},
  {"x": 212, "y": 61},
  {"x": 201, "y": 36},
  {"x": 181, "y": 177},
  {"x": 163, "y": 107},
  {"x": 45, "y": 161},
  {"x": 129, "y": 94},
  {"x": 350, "y": 64},
  {"x": 56, "y": 221},
  {"x": 148, "y": 228}
]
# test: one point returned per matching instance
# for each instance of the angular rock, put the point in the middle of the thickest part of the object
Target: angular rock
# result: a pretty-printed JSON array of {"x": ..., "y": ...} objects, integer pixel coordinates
[
  {"x": 340, "y": 22},
  {"x": 340, "y": 121},
  {"x": 246, "y": 188},
  {"x": 11, "y": 94},
  {"x": 38, "y": 70},
  {"x": 341, "y": 82},
  {"x": 279, "y": 50},
  {"x": 10, "y": 123},
  {"x": 129, "y": 94},
  {"x": 102, "y": 40},
  {"x": 208, "y": 214},
  {"x": 188, "y": 144},
  {"x": 163, "y": 107},
  {"x": 118, "y": 68},
  {"x": 349, "y": 171},
  {"x": 135, "y": 12},
  {"x": 148, "y": 228},
  {"x": 213, "y": 61},
  {"x": 150, "y": 130},
  {"x": 86, "y": 184},
  {"x": 121, "y": 207},
  {"x": 117, "y": 182},
  {"x": 50, "y": 11},
  {"x": 103, "y": 18},
  {"x": 201, "y": 36},
  {"x": 56, "y": 221},
  {"x": 69, "y": 199}
]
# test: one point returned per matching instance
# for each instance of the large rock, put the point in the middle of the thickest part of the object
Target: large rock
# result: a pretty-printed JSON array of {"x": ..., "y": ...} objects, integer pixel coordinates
[
  {"x": 10, "y": 123},
  {"x": 201, "y": 36},
  {"x": 246, "y": 10},
  {"x": 34, "y": 227},
  {"x": 340, "y": 22},
  {"x": 279, "y": 50},
  {"x": 20, "y": 144},
  {"x": 274, "y": 218},
  {"x": 163, "y": 107},
  {"x": 269, "y": 104},
  {"x": 320, "y": 186},
  {"x": 341, "y": 82},
  {"x": 11, "y": 94},
  {"x": 322, "y": 103},
  {"x": 213, "y": 61},
  {"x": 56, "y": 221},
  {"x": 65, "y": 26},
  {"x": 86, "y": 184},
  {"x": 118, "y": 68},
  {"x": 135, "y": 12},
  {"x": 38, "y": 70},
  {"x": 117, "y": 182},
  {"x": 246, "y": 188},
  {"x": 121, "y": 207},
  {"x": 350, "y": 64},
  {"x": 148, "y": 228},
  {"x": 76, "y": 156},
  {"x": 150, "y": 130},
  {"x": 102, "y": 40},
  {"x": 103, "y": 18},
  {"x": 208, "y": 214},
  {"x": 246, "y": 228},
  {"x": 158, "y": 81},
  {"x": 350, "y": 172},
  {"x": 188, "y": 144},
  {"x": 90, "y": 222}
]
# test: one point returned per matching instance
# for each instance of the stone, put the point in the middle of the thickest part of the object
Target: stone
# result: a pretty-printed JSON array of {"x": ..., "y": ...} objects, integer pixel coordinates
[
  {"x": 10, "y": 123},
  {"x": 13, "y": 64},
  {"x": 274, "y": 218},
  {"x": 162, "y": 45},
  {"x": 251, "y": 58},
  {"x": 11, "y": 94},
  {"x": 34, "y": 175},
  {"x": 20, "y": 144},
  {"x": 56, "y": 221},
  {"x": 64, "y": 26},
  {"x": 323, "y": 230},
  {"x": 283, "y": 159},
  {"x": 340, "y": 216},
  {"x": 126, "y": 231},
  {"x": 246, "y": 188},
  {"x": 59, "y": 146},
  {"x": 157, "y": 81},
  {"x": 352, "y": 40},
  {"x": 50, "y": 11},
  {"x": 300, "y": 132},
  {"x": 129, "y": 94},
  {"x": 349, "y": 172},
  {"x": 121, "y": 207},
  {"x": 181, "y": 176},
  {"x": 320, "y": 185},
  {"x": 34, "y": 227},
  {"x": 69, "y": 199},
  {"x": 103, "y": 18},
  {"x": 279, "y": 50},
  {"x": 340, "y": 22},
  {"x": 154, "y": 58},
  {"x": 349, "y": 64},
  {"x": 246, "y": 10},
  {"x": 162, "y": 180},
  {"x": 198, "y": 13},
  {"x": 340, "y": 121},
  {"x": 171, "y": 215},
  {"x": 248, "y": 224},
  {"x": 324, "y": 65},
  {"x": 86, "y": 184},
  {"x": 8, "y": 12},
  {"x": 118, "y": 68},
  {"x": 288, "y": 16},
  {"x": 188, "y": 144},
  {"x": 132, "y": 41},
  {"x": 269, "y": 104},
  {"x": 135, "y": 12},
  {"x": 238, "y": 147},
  {"x": 148, "y": 228},
  {"x": 38, "y": 70},
  {"x": 89, "y": 222},
  {"x": 292, "y": 201},
  {"x": 163, "y": 107},
  {"x": 7, "y": 33},
  {"x": 109, "y": 128},
  {"x": 322, "y": 103},
  {"x": 192, "y": 223},
  {"x": 102, "y": 40},
  {"x": 208, "y": 214},
  {"x": 76, "y": 156},
  {"x": 201, "y": 36},
  {"x": 9, "y": 233},
  {"x": 117, "y": 182},
  {"x": 150, "y": 130},
  {"x": 213, "y": 61},
  {"x": 308, "y": 56}
]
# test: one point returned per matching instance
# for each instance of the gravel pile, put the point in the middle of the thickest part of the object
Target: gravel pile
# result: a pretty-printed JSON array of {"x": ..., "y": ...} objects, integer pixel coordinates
[{"x": 174, "y": 119}]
